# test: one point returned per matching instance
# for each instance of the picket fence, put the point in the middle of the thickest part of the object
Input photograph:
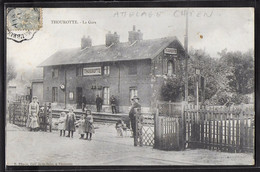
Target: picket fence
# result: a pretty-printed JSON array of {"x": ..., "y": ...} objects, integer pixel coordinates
[{"x": 222, "y": 129}]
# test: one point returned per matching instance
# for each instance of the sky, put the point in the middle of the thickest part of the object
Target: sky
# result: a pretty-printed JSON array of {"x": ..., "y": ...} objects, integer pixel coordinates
[{"x": 211, "y": 29}]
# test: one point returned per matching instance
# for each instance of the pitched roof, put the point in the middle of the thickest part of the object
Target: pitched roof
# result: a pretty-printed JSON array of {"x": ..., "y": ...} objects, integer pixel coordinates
[{"x": 145, "y": 49}]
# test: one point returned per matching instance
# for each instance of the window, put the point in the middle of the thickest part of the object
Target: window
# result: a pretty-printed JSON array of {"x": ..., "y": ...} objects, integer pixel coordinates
[
  {"x": 55, "y": 73},
  {"x": 71, "y": 95},
  {"x": 133, "y": 92},
  {"x": 170, "y": 67},
  {"x": 79, "y": 71},
  {"x": 132, "y": 70},
  {"x": 106, "y": 95},
  {"x": 54, "y": 94},
  {"x": 106, "y": 70}
]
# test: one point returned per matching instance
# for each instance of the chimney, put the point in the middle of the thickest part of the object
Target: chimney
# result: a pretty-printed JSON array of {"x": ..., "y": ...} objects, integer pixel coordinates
[
  {"x": 135, "y": 35},
  {"x": 86, "y": 42},
  {"x": 112, "y": 38}
]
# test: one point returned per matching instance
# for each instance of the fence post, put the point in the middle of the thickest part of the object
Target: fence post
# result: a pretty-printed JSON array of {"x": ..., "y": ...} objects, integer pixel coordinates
[
  {"x": 10, "y": 113},
  {"x": 45, "y": 118},
  {"x": 242, "y": 132},
  {"x": 156, "y": 128},
  {"x": 138, "y": 130},
  {"x": 183, "y": 128},
  {"x": 13, "y": 114}
]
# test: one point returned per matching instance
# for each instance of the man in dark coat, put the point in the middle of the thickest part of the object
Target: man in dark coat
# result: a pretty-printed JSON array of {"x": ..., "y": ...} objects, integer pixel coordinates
[
  {"x": 132, "y": 112},
  {"x": 113, "y": 103},
  {"x": 99, "y": 102}
]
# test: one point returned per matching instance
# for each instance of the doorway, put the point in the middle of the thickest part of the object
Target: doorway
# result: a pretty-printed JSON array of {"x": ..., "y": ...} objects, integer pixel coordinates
[{"x": 79, "y": 97}]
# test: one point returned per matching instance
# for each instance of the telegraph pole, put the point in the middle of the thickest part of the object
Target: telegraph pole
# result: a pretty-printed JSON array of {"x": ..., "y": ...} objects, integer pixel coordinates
[
  {"x": 186, "y": 57},
  {"x": 65, "y": 91}
]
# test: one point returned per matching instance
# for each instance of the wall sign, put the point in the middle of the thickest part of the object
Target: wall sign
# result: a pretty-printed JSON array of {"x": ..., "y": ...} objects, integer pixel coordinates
[
  {"x": 91, "y": 71},
  {"x": 170, "y": 51}
]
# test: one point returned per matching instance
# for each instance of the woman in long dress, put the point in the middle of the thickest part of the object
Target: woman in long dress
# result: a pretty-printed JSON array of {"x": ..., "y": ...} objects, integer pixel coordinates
[
  {"x": 33, "y": 108},
  {"x": 89, "y": 125}
]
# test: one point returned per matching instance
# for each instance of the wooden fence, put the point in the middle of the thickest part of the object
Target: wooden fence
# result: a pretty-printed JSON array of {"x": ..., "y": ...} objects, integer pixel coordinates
[{"x": 230, "y": 130}]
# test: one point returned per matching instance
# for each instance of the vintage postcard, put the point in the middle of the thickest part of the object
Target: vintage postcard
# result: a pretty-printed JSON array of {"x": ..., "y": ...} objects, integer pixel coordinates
[{"x": 130, "y": 86}]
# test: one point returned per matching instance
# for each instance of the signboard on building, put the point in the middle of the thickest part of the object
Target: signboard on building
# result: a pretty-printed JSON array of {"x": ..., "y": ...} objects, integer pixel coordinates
[
  {"x": 91, "y": 71},
  {"x": 172, "y": 51}
]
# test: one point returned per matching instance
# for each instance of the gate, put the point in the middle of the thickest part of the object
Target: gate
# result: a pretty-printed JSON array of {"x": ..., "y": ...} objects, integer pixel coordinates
[
  {"x": 169, "y": 126},
  {"x": 18, "y": 113},
  {"x": 144, "y": 129},
  {"x": 162, "y": 130}
]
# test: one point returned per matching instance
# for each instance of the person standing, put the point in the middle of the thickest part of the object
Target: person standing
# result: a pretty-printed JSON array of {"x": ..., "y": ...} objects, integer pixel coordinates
[
  {"x": 89, "y": 125},
  {"x": 62, "y": 123},
  {"x": 99, "y": 102},
  {"x": 33, "y": 108},
  {"x": 34, "y": 122},
  {"x": 70, "y": 123},
  {"x": 113, "y": 104},
  {"x": 132, "y": 112},
  {"x": 84, "y": 102},
  {"x": 82, "y": 125}
]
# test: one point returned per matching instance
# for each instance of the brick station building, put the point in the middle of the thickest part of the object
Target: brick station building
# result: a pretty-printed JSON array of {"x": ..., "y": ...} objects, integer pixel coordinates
[{"x": 123, "y": 69}]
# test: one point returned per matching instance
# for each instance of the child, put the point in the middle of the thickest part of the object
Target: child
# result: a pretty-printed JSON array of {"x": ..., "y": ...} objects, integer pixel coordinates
[
  {"x": 120, "y": 127},
  {"x": 62, "y": 123},
  {"x": 81, "y": 123},
  {"x": 34, "y": 122},
  {"x": 70, "y": 123},
  {"x": 89, "y": 125}
]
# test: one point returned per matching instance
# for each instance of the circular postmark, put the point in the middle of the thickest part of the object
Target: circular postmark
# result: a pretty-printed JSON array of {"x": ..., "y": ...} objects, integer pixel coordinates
[{"x": 23, "y": 23}]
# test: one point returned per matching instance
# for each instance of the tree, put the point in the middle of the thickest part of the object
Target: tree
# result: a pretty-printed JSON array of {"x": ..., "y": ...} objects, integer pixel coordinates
[
  {"x": 239, "y": 70},
  {"x": 173, "y": 89},
  {"x": 11, "y": 72},
  {"x": 200, "y": 59}
]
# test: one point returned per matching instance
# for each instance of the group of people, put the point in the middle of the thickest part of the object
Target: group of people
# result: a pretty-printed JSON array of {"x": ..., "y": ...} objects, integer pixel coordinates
[
  {"x": 99, "y": 103},
  {"x": 67, "y": 122},
  {"x": 33, "y": 120},
  {"x": 121, "y": 126}
]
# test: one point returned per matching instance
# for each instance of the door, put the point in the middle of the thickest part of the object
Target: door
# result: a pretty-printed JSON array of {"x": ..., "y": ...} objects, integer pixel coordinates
[
  {"x": 54, "y": 94},
  {"x": 79, "y": 97},
  {"x": 106, "y": 95}
]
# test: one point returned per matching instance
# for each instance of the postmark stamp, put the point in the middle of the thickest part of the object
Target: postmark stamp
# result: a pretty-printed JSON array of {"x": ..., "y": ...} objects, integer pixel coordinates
[{"x": 23, "y": 23}]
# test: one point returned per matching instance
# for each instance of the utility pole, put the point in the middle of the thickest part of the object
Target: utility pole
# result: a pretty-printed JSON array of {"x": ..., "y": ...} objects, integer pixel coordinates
[
  {"x": 186, "y": 57},
  {"x": 65, "y": 91}
]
